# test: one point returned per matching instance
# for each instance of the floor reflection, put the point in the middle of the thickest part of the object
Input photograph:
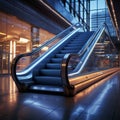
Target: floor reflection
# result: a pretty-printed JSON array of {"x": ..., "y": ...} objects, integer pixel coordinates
[
  {"x": 83, "y": 106},
  {"x": 7, "y": 85}
]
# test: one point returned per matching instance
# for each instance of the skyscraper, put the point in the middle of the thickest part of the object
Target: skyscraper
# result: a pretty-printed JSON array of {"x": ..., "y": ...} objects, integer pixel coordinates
[{"x": 98, "y": 18}]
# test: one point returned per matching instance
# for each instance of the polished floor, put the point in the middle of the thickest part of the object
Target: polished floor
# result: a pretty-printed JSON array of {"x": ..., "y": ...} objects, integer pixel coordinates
[{"x": 101, "y": 101}]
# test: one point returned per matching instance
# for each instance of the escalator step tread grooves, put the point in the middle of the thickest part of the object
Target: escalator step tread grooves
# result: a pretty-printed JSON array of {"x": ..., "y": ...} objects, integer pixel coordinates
[{"x": 48, "y": 80}]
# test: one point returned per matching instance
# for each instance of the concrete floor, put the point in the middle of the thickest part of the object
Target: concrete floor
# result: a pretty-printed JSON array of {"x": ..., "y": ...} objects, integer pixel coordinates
[{"x": 101, "y": 101}]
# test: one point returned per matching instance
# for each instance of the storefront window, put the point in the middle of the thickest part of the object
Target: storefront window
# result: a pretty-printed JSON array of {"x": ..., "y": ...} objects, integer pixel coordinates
[
  {"x": 18, "y": 37},
  {"x": 45, "y": 35},
  {"x": 15, "y": 38}
]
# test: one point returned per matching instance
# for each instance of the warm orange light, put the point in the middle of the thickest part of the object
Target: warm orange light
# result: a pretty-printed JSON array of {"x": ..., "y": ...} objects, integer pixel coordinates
[
  {"x": 45, "y": 48},
  {"x": 1, "y": 33},
  {"x": 11, "y": 50},
  {"x": 23, "y": 40}
]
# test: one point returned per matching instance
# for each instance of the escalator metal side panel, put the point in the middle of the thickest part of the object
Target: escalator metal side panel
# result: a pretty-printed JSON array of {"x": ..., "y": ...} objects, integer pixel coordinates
[{"x": 87, "y": 80}]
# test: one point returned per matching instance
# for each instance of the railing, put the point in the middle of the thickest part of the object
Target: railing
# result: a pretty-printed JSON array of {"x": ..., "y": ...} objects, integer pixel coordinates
[
  {"x": 23, "y": 64},
  {"x": 76, "y": 64}
]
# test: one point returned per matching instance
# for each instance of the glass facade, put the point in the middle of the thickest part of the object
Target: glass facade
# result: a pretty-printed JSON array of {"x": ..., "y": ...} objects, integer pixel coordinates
[
  {"x": 80, "y": 10},
  {"x": 99, "y": 14},
  {"x": 17, "y": 37},
  {"x": 90, "y": 13},
  {"x": 14, "y": 39}
]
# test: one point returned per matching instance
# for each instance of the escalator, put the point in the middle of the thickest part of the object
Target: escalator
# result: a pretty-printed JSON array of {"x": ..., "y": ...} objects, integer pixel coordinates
[
  {"x": 60, "y": 68},
  {"x": 50, "y": 74}
]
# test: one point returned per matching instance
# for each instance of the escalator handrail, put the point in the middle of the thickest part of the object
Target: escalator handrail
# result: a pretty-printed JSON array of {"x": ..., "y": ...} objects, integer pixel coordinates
[{"x": 67, "y": 57}]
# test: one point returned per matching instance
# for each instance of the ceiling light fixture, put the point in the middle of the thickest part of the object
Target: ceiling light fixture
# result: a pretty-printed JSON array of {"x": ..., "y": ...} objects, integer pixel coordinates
[{"x": 23, "y": 40}]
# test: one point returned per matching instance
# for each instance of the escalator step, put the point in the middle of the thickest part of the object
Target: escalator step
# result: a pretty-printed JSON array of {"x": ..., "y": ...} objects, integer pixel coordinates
[
  {"x": 60, "y": 55},
  {"x": 50, "y": 72},
  {"x": 48, "y": 80},
  {"x": 71, "y": 45},
  {"x": 70, "y": 48},
  {"x": 74, "y": 46},
  {"x": 77, "y": 42},
  {"x": 56, "y": 60},
  {"x": 53, "y": 66},
  {"x": 68, "y": 51}
]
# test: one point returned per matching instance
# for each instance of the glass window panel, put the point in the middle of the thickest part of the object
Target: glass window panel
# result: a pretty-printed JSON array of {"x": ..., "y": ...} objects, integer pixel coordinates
[
  {"x": 93, "y": 5},
  {"x": 101, "y": 4}
]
